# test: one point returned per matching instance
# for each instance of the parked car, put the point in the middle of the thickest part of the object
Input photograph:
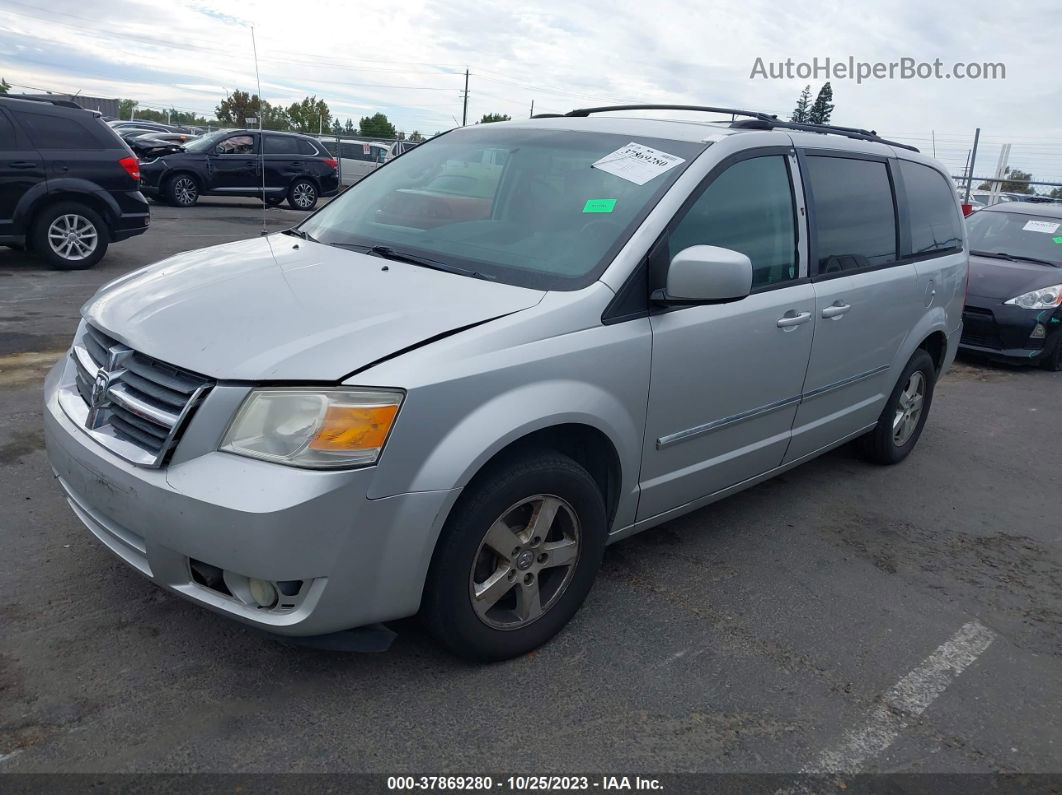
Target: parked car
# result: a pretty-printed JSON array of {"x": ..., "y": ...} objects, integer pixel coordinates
[
  {"x": 69, "y": 187},
  {"x": 398, "y": 148},
  {"x": 139, "y": 124},
  {"x": 365, "y": 417},
  {"x": 357, "y": 159},
  {"x": 228, "y": 163},
  {"x": 1014, "y": 304}
]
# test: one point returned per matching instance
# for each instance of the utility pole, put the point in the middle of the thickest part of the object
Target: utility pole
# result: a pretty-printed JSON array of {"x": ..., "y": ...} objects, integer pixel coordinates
[
  {"x": 973, "y": 159},
  {"x": 532, "y": 109},
  {"x": 464, "y": 109}
]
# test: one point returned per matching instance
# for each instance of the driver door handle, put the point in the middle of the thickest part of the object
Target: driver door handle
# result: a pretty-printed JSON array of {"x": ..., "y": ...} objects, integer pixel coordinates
[
  {"x": 836, "y": 310},
  {"x": 793, "y": 319}
]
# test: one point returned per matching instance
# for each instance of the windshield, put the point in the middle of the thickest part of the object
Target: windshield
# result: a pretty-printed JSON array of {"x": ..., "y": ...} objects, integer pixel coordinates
[
  {"x": 1017, "y": 234},
  {"x": 206, "y": 143},
  {"x": 516, "y": 205}
]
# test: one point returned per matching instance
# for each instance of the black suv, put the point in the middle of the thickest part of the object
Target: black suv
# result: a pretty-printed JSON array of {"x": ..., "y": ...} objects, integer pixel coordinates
[
  {"x": 68, "y": 185},
  {"x": 229, "y": 163}
]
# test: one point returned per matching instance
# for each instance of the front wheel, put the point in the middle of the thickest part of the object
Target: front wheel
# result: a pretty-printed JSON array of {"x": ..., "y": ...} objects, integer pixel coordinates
[
  {"x": 517, "y": 557},
  {"x": 302, "y": 195},
  {"x": 900, "y": 424},
  {"x": 1053, "y": 361},
  {"x": 70, "y": 236},
  {"x": 182, "y": 190}
]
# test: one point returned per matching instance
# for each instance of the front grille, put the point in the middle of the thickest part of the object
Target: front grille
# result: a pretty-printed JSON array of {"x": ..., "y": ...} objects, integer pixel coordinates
[{"x": 138, "y": 399}]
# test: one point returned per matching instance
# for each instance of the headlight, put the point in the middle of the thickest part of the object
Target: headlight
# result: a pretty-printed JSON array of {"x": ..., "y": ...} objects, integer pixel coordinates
[
  {"x": 315, "y": 428},
  {"x": 1044, "y": 298}
]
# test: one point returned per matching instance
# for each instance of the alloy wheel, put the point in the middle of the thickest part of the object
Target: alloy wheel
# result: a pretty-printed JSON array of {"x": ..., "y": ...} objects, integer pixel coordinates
[
  {"x": 185, "y": 190},
  {"x": 72, "y": 237},
  {"x": 525, "y": 562},
  {"x": 304, "y": 195},
  {"x": 909, "y": 409}
]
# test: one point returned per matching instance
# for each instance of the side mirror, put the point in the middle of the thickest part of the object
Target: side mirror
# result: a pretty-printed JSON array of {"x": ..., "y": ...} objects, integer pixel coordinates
[{"x": 706, "y": 274}]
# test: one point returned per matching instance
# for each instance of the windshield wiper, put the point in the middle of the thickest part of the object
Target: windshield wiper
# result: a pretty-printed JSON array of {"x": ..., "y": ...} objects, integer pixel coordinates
[
  {"x": 295, "y": 232},
  {"x": 387, "y": 252},
  {"x": 1013, "y": 257}
]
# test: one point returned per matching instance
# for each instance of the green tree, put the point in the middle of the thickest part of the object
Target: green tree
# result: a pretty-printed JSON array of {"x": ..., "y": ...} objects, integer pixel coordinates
[
  {"x": 1017, "y": 181},
  {"x": 822, "y": 107},
  {"x": 236, "y": 108},
  {"x": 310, "y": 115},
  {"x": 126, "y": 108},
  {"x": 800, "y": 112},
  {"x": 5, "y": 86},
  {"x": 492, "y": 117},
  {"x": 348, "y": 128},
  {"x": 1056, "y": 193},
  {"x": 376, "y": 126},
  {"x": 416, "y": 136},
  {"x": 337, "y": 128},
  {"x": 275, "y": 118}
]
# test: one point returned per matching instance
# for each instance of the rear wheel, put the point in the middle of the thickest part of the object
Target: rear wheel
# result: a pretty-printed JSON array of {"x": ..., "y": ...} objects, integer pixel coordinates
[
  {"x": 182, "y": 190},
  {"x": 70, "y": 236},
  {"x": 302, "y": 195},
  {"x": 904, "y": 416},
  {"x": 517, "y": 557}
]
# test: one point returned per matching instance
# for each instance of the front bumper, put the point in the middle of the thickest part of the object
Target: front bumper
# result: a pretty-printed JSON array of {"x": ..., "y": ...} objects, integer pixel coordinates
[
  {"x": 361, "y": 561},
  {"x": 993, "y": 329}
]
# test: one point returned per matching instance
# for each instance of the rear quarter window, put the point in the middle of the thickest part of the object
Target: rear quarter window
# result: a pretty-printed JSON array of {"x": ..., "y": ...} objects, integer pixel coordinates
[
  {"x": 936, "y": 225},
  {"x": 306, "y": 148},
  {"x": 61, "y": 132}
]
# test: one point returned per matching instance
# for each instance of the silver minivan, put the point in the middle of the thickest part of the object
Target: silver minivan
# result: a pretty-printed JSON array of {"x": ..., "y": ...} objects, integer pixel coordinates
[{"x": 448, "y": 390}]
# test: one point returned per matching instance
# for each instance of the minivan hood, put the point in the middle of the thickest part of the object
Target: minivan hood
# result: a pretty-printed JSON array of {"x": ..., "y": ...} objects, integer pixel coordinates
[
  {"x": 281, "y": 308},
  {"x": 999, "y": 278}
]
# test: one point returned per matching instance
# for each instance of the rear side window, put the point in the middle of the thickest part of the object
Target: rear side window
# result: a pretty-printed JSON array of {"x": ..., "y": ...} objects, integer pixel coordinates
[
  {"x": 854, "y": 214},
  {"x": 58, "y": 132},
  {"x": 935, "y": 221},
  {"x": 305, "y": 147},
  {"x": 281, "y": 145},
  {"x": 748, "y": 208}
]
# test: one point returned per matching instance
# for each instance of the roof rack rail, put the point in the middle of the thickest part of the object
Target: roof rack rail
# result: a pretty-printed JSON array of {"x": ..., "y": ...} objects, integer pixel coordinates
[
  {"x": 62, "y": 103},
  {"x": 825, "y": 129},
  {"x": 756, "y": 120},
  {"x": 703, "y": 108}
]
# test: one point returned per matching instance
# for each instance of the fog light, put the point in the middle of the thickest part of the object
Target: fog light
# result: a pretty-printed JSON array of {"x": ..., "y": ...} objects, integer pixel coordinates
[
  {"x": 262, "y": 592},
  {"x": 1039, "y": 332}
]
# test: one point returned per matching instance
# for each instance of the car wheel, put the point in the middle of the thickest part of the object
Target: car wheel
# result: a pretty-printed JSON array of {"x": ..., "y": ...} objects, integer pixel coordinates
[
  {"x": 905, "y": 413},
  {"x": 1053, "y": 361},
  {"x": 302, "y": 195},
  {"x": 182, "y": 190},
  {"x": 70, "y": 236},
  {"x": 516, "y": 558}
]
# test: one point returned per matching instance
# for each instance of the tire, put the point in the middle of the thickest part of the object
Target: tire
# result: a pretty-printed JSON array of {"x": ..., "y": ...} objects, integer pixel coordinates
[
  {"x": 69, "y": 236},
  {"x": 901, "y": 422},
  {"x": 1053, "y": 361},
  {"x": 504, "y": 623},
  {"x": 182, "y": 190},
  {"x": 302, "y": 195}
]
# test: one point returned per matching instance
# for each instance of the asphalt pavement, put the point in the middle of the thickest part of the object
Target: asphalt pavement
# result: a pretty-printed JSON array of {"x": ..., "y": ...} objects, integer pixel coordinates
[{"x": 841, "y": 616}]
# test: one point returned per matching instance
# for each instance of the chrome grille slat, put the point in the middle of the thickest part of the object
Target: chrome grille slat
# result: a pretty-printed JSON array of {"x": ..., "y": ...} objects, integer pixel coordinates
[
  {"x": 134, "y": 403},
  {"x": 163, "y": 374}
]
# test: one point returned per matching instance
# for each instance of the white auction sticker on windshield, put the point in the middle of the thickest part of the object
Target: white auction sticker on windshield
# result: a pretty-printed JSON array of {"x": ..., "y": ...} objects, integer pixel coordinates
[
  {"x": 636, "y": 163},
  {"x": 1040, "y": 226}
]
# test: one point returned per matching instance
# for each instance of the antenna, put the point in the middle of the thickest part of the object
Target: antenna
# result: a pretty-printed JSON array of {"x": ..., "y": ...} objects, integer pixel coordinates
[{"x": 261, "y": 139}]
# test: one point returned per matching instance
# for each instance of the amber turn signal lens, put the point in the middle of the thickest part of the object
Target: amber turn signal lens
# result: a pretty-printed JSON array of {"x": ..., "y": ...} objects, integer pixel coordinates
[{"x": 354, "y": 427}]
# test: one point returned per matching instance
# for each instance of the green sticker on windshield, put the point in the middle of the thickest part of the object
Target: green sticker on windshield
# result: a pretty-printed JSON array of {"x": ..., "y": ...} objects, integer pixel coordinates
[
  {"x": 599, "y": 205},
  {"x": 1056, "y": 239}
]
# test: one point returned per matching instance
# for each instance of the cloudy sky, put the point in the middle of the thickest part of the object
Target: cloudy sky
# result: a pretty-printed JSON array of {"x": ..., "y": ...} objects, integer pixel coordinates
[{"x": 408, "y": 58}]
